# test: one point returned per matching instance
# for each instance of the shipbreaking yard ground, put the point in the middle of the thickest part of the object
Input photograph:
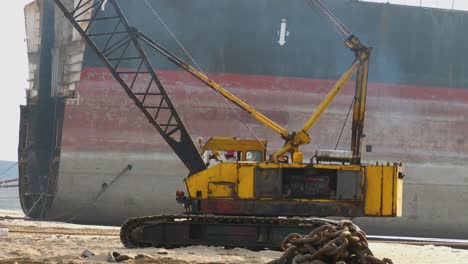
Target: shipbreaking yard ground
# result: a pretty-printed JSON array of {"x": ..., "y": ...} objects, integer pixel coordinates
[{"x": 51, "y": 242}]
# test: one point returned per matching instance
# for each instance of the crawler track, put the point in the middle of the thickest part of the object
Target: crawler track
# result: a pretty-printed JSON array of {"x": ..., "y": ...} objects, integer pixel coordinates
[{"x": 210, "y": 230}]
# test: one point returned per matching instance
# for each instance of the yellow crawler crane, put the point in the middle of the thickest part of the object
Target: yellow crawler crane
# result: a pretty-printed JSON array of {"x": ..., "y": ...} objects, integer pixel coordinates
[
  {"x": 254, "y": 201},
  {"x": 341, "y": 187}
]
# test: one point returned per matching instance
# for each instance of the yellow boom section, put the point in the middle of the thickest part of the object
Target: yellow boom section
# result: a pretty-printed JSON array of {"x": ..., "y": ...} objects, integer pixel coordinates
[
  {"x": 254, "y": 113},
  {"x": 302, "y": 137},
  {"x": 296, "y": 139},
  {"x": 202, "y": 77},
  {"x": 330, "y": 96}
]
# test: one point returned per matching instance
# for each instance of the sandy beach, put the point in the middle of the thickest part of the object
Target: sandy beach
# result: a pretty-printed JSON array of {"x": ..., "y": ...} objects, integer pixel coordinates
[{"x": 52, "y": 242}]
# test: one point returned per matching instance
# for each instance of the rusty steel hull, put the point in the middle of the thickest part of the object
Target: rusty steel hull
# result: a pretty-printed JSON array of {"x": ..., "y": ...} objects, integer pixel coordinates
[{"x": 76, "y": 167}]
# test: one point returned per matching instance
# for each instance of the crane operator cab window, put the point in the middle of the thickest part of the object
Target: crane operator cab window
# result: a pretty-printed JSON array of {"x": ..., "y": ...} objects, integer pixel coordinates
[
  {"x": 253, "y": 155},
  {"x": 215, "y": 157},
  {"x": 283, "y": 159},
  {"x": 230, "y": 156},
  {"x": 212, "y": 158}
]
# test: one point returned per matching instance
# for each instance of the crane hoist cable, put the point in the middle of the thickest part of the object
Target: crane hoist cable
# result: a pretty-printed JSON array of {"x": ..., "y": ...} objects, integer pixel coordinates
[
  {"x": 362, "y": 54},
  {"x": 156, "y": 14},
  {"x": 9, "y": 168},
  {"x": 345, "y": 121},
  {"x": 296, "y": 139},
  {"x": 329, "y": 18}
]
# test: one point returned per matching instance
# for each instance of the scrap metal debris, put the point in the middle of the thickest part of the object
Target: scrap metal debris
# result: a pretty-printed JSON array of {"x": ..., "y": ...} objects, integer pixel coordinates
[
  {"x": 86, "y": 254},
  {"x": 344, "y": 243},
  {"x": 116, "y": 257}
]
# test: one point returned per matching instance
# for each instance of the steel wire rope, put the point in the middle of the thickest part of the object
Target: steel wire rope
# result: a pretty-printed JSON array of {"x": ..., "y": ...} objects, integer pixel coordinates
[
  {"x": 201, "y": 70},
  {"x": 79, "y": 211},
  {"x": 9, "y": 168},
  {"x": 344, "y": 123},
  {"x": 2, "y": 182},
  {"x": 318, "y": 7},
  {"x": 329, "y": 18},
  {"x": 332, "y": 18},
  {"x": 323, "y": 17}
]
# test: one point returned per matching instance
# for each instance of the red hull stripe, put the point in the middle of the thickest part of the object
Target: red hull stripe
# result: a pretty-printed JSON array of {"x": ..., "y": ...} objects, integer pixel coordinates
[{"x": 279, "y": 83}]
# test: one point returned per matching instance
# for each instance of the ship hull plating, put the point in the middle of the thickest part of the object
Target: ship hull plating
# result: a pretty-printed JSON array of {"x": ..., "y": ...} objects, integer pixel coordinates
[
  {"x": 417, "y": 103},
  {"x": 97, "y": 148}
]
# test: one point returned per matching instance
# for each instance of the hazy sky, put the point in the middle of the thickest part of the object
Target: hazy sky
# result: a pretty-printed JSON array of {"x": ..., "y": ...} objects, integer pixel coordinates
[
  {"x": 13, "y": 74},
  {"x": 14, "y": 67}
]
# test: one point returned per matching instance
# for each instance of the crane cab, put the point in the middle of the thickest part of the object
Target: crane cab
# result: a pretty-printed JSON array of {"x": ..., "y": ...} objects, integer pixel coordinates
[{"x": 216, "y": 148}]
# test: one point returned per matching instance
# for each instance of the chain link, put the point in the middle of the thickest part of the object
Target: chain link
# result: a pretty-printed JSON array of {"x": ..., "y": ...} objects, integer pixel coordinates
[
  {"x": 344, "y": 243},
  {"x": 9, "y": 181},
  {"x": 4, "y": 183},
  {"x": 8, "y": 186}
]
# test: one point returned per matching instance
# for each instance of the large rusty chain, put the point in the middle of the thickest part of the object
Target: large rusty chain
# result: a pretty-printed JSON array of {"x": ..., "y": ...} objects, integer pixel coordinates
[{"x": 344, "y": 243}]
